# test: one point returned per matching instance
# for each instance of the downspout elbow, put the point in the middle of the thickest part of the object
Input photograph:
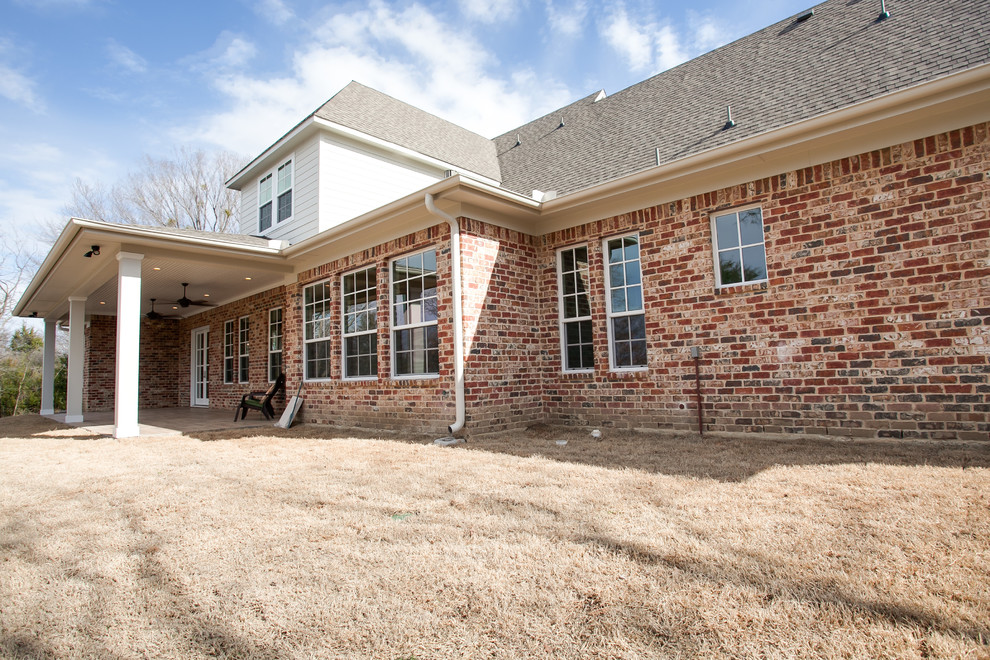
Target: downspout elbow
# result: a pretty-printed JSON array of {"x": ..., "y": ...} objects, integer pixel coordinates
[{"x": 458, "y": 322}]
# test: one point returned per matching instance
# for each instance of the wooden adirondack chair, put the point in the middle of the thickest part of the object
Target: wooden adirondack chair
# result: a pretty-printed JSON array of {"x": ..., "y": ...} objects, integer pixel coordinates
[{"x": 260, "y": 400}]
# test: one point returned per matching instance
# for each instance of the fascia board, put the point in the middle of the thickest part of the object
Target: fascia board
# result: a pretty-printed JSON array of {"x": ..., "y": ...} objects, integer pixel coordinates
[
  {"x": 246, "y": 173},
  {"x": 405, "y": 152},
  {"x": 731, "y": 164}
]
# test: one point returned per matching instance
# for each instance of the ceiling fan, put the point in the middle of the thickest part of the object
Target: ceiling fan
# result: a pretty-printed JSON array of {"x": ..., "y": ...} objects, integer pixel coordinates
[
  {"x": 184, "y": 301},
  {"x": 155, "y": 316}
]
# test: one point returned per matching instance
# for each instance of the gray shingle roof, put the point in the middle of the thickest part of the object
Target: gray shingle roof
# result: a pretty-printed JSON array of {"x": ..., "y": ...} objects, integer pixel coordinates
[
  {"x": 213, "y": 236},
  {"x": 775, "y": 77},
  {"x": 381, "y": 116}
]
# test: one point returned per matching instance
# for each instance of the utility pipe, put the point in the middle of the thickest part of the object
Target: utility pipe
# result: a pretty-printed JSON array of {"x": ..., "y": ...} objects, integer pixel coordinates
[{"x": 455, "y": 267}]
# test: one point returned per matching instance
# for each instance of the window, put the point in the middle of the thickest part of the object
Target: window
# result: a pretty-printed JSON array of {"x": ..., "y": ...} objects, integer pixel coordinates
[
  {"x": 242, "y": 349},
  {"x": 359, "y": 307},
  {"x": 415, "y": 344},
  {"x": 274, "y": 343},
  {"x": 228, "y": 352},
  {"x": 740, "y": 254},
  {"x": 577, "y": 352},
  {"x": 265, "y": 203},
  {"x": 275, "y": 189},
  {"x": 626, "y": 320},
  {"x": 317, "y": 330}
]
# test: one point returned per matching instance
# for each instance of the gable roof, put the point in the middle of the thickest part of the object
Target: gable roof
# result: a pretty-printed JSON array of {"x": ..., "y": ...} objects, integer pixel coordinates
[
  {"x": 379, "y": 115},
  {"x": 793, "y": 70}
]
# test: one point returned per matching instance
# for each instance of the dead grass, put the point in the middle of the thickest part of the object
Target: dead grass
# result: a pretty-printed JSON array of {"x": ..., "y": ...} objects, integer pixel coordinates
[{"x": 300, "y": 546}]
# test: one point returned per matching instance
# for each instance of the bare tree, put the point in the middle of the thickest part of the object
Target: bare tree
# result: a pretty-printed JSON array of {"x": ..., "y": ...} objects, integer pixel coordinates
[
  {"x": 17, "y": 265},
  {"x": 186, "y": 191}
]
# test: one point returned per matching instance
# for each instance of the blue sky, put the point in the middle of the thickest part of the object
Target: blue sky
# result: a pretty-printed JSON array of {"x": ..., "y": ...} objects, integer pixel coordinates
[{"x": 87, "y": 87}]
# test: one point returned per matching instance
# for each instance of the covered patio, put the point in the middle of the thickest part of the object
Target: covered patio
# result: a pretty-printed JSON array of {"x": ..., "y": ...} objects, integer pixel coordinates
[
  {"x": 97, "y": 269},
  {"x": 169, "y": 421}
]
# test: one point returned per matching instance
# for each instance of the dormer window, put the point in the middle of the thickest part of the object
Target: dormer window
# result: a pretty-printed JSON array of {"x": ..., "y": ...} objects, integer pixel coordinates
[{"x": 275, "y": 197}]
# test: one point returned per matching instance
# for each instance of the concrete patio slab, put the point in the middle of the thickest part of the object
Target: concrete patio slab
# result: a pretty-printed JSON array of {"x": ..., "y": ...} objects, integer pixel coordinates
[{"x": 170, "y": 421}]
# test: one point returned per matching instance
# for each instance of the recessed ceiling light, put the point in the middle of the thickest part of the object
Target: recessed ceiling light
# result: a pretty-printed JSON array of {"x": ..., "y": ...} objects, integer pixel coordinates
[
  {"x": 103, "y": 302},
  {"x": 174, "y": 307},
  {"x": 206, "y": 295},
  {"x": 156, "y": 268},
  {"x": 247, "y": 279}
]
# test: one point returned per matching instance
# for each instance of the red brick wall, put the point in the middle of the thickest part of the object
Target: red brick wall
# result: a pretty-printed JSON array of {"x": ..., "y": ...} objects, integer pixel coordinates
[
  {"x": 161, "y": 351},
  {"x": 874, "y": 321},
  {"x": 500, "y": 293}
]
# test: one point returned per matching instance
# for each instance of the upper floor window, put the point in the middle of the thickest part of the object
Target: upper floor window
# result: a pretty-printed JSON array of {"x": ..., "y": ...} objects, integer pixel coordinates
[
  {"x": 317, "y": 330},
  {"x": 740, "y": 254},
  {"x": 275, "y": 196},
  {"x": 575, "y": 309},
  {"x": 415, "y": 341},
  {"x": 626, "y": 319},
  {"x": 360, "y": 324}
]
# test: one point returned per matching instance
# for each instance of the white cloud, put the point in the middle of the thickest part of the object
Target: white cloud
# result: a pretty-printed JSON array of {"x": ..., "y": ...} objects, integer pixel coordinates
[
  {"x": 646, "y": 45},
  {"x": 567, "y": 20},
  {"x": 708, "y": 34},
  {"x": 125, "y": 58},
  {"x": 407, "y": 53},
  {"x": 489, "y": 11},
  {"x": 274, "y": 10},
  {"x": 17, "y": 87},
  {"x": 237, "y": 53}
]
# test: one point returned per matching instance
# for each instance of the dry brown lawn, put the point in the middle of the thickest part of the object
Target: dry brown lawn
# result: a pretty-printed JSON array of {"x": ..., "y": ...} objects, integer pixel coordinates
[{"x": 320, "y": 543}]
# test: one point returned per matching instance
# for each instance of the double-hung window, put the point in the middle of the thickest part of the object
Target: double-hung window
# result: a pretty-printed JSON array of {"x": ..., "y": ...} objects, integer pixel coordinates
[
  {"x": 274, "y": 343},
  {"x": 317, "y": 330},
  {"x": 624, "y": 302},
  {"x": 415, "y": 342},
  {"x": 740, "y": 253},
  {"x": 244, "y": 326},
  {"x": 228, "y": 352},
  {"x": 359, "y": 309},
  {"x": 577, "y": 350},
  {"x": 275, "y": 196}
]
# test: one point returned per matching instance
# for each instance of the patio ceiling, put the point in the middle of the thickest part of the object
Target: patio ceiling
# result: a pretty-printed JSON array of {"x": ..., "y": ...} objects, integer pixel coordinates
[{"x": 217, "y": 270}]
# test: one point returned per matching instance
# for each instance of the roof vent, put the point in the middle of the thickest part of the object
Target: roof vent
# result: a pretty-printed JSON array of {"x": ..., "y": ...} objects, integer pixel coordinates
[
  {"x": 883, "y": 11},
  {"x": 561, "y": 124},
  {"x": 517, "y": 140},
  {"x": 728, "y": 115},
  {"x": 805, "y": 16}
]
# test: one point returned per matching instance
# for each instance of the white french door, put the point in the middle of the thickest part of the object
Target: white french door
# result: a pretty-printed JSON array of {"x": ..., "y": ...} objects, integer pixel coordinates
[{"x": 200, "y": 376}]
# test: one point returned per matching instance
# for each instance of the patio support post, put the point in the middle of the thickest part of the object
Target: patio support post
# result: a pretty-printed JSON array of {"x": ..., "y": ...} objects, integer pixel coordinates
[
  {"x": 48, "y": 370},
  {"x": 128, "y": 345},
  {"x": 77, "y": 350}
]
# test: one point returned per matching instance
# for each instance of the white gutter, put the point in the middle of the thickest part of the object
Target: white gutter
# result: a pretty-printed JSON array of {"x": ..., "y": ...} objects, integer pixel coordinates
[{"x": 455, "y": 267}]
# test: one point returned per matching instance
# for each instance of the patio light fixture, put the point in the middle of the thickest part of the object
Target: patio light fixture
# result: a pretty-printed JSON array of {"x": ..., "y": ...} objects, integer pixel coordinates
[{"x": 94, "y": 251}]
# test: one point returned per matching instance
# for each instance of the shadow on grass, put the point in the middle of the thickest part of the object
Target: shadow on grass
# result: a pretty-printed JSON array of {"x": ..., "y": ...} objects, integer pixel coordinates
[
  {"x": 817, "y": 593},
  {"x": 727, "y": 459}
]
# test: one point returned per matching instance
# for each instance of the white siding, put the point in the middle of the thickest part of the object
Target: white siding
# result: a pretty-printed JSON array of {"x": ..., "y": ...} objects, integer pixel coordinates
[
  {"x": 357, "y": 178},
  {"x": 305, "y": 198}
]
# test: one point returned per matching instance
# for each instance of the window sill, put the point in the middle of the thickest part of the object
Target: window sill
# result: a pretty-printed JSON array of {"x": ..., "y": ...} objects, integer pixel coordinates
[{"x": 748, "y": 287}]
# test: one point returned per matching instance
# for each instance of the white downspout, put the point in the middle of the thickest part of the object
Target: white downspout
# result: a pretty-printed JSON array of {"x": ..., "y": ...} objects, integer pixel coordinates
[{"x": 455, "y": 267}]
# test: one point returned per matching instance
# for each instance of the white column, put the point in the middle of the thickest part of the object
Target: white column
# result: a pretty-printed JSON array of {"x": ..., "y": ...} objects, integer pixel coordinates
[
  {"x": 48, "y": 370},
  {"x": 77, "y": 351},
  {"x": 128, "y": 345}
]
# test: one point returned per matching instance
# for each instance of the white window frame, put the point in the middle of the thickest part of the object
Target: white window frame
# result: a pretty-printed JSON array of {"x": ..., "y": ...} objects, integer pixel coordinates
[
  {"x": 716, "y": 262},
  {"x": 244, "y": 349},
  {"x": 394, "y": 328},
  {"x": 273, "y": 175},
  {"x": 563, "y": 322},
  {"x": 328, "y": 337},
  {"x": 343, "y": 323},
  {"x": 281, "y": 341},
  {"x": 228, "y": 352},
  {"x": 608, "y": 303}
]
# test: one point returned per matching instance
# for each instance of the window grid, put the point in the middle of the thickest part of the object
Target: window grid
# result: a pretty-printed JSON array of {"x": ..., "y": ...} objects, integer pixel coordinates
[
  {"x": 274, "y": 343},
  {"x": 415, "y": 339},
  {"x": 244, "y": 326},
  {"x": 577, "y": 350},
  {"x": 228, "y": 352},
  {"x": 285, "y": 191},
  {"x": 265, "y": 203},
  {"x": 627, "y": 322},
  {"x": 359, "y": 310},
  {"x": 317, "y": 330},
  {"x": 740, "y": 249}
]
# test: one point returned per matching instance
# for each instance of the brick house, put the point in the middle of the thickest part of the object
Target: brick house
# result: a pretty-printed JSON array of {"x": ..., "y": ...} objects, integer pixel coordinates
[{"x": 789, "y": 234}]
